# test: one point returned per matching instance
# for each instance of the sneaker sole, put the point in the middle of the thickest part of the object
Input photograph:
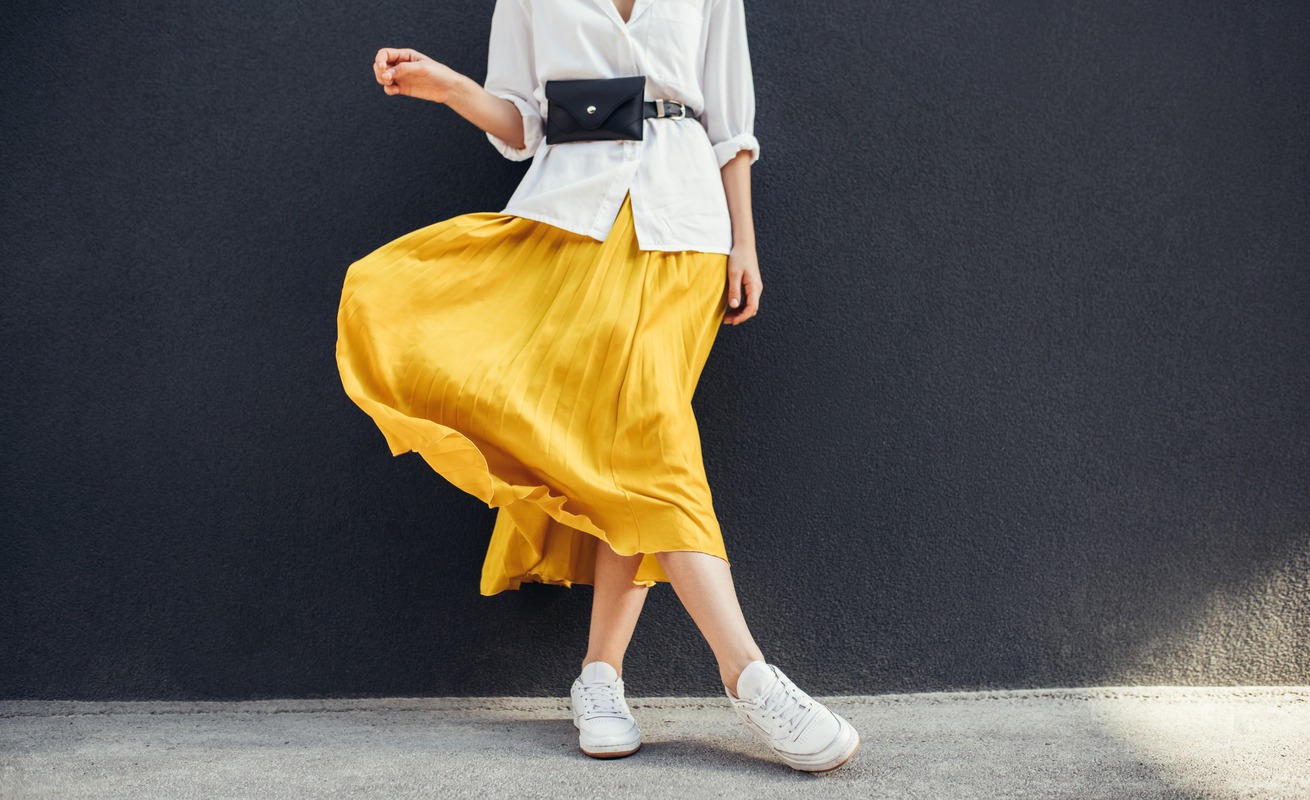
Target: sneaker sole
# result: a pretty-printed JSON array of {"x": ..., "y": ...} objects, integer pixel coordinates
[
  {"x": 848, "y": 757},
  {"x": 615, "y": 751},
  {"x": 609, "y": 754},
  {"x": 846, "y": 726}
]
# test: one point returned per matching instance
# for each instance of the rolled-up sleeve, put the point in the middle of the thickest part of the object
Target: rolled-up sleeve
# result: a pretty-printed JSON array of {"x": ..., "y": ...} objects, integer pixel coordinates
[
  {"x": 728, "y": 84},
  {"x": 512, "y": 74}
]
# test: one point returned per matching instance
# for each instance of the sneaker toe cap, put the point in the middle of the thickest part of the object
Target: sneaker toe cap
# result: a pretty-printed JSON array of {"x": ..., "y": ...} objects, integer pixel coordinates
[
  {"x": 601, "y": 731},
  {"x": 819, "y": 735}
]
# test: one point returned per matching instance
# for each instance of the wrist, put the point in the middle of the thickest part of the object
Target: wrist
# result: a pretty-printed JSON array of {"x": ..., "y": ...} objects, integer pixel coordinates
[{"x": 458, "y": 92}]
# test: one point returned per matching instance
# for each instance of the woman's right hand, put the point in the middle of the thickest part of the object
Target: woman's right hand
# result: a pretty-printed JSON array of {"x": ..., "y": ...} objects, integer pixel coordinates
[{"x": 401, "y": 70}]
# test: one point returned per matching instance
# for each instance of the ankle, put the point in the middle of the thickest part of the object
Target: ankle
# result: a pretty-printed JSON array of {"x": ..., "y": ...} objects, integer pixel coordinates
[
  {"x": 617, "y": 664},
  {"x": 730, "y": 671}
]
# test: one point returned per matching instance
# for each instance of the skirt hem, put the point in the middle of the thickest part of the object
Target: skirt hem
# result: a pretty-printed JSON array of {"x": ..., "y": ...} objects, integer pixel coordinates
[{"x": 483, "y": 484}]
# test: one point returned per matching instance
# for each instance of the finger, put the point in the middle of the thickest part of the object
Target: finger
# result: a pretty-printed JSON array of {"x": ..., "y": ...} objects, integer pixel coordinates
[
  {"x": 406, "y": 76},
  {"x": 749, "y": 289},
  {"x": 388, "y": 57},
  {"x": 400, "y": 76},
  {"x": 734, "y": 289},
  {"x": 737, "y": 317},
  {"x": 405, "y": 55},
  {"x": 751, "y": 284},
  {"x": 753, "y": 292},
  {"x": 750, "y": 307},
  {"x": 394, "y": 55},
  {"x": 385, "y": 58}
]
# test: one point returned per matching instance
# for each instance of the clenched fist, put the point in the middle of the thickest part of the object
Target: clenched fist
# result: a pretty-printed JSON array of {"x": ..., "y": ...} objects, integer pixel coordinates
[{"x": 409, "y": 72}]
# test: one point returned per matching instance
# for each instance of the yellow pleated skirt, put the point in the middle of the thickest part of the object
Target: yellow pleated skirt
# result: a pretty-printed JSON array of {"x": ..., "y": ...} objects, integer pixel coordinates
[{"x": 548, "y": 374}]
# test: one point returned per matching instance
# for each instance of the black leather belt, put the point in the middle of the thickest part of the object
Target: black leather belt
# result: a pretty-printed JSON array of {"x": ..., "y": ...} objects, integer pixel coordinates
[{"x": 672, "y": 109}]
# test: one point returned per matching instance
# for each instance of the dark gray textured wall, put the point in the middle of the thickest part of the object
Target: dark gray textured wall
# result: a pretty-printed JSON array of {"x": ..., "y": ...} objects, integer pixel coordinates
[{"x": 1028, "y": 402}]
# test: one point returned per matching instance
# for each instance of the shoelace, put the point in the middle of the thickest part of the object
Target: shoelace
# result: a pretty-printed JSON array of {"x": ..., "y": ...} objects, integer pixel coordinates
[
  {"x": 784, "y": 705},
  {"x": 602, "y": 699}
]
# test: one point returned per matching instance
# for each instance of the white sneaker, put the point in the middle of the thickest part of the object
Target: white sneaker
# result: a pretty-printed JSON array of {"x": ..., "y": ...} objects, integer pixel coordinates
[
  {"x": 803, "y": 732},
  {"x": 605, "y": 726}
]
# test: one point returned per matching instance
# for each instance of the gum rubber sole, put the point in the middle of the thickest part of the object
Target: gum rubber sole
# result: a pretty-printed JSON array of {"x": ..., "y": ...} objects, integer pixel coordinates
[
  {"x": 848, "y": 757},
  {"x": 616, "y": 754}
]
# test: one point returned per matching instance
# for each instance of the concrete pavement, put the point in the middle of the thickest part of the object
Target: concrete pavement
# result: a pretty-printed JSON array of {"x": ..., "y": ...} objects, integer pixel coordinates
[{"x": 1128, "y": 742}]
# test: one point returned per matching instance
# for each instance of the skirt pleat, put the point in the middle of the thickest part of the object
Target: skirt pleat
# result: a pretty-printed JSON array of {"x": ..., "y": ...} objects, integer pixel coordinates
[{"x": 548, "y": 374}]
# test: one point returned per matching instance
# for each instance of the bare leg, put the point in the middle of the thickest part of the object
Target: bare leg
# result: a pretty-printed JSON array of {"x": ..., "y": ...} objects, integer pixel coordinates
[
  {"x": 704, "y": 585},
  {"x": 615, "y": 605}
]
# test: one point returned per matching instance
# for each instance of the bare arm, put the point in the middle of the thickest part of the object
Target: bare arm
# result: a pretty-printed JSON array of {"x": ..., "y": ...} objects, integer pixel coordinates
[
  {"x": 409, "y": 72},
  {"x": 743, "y": 267}
]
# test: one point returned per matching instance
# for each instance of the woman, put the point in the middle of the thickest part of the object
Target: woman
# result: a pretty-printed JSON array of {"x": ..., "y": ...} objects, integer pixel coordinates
[{"x": 543, "y": 357}]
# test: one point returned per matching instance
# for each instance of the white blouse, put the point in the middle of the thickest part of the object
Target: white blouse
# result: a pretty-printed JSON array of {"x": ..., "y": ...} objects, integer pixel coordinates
[{"x": 689, "y": 50}]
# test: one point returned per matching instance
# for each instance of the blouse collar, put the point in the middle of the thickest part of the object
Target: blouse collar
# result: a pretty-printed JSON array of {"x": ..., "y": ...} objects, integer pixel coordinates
[{"x": 637, "y": 7}]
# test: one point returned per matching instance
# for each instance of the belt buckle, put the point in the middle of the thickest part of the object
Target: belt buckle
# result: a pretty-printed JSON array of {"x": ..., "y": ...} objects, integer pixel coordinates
[{"x": 659, "y": 108}]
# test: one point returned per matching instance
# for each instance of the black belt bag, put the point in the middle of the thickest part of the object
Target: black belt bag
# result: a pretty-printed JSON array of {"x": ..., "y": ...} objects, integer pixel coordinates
[{"x": 590, "y": 109}]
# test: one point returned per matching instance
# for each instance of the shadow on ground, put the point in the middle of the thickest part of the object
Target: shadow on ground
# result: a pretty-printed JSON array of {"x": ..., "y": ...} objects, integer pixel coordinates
[{"x": 1085, "y": 743}]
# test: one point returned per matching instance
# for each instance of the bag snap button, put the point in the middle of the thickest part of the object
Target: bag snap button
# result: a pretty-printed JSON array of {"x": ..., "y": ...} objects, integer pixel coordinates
[{"x": 591, "y": 109}]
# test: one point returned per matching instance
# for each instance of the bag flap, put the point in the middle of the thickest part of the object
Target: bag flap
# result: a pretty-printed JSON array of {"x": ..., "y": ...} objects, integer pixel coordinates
[{"x": 606, "y": 94}]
